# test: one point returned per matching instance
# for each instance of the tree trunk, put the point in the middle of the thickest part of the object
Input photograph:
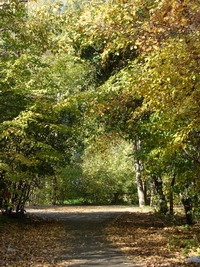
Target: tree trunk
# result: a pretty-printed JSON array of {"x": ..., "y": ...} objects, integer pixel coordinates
[
  {"x": 171, "y": 196},
  {"x": 54, "y": 190},
  {"x": 162, "y": 200},
  {"x": 24, "y": 196},
  {"x": 152, "y": 190},
  {"x": 187, "y": 203},
  {"x": 141, "y": 188}
]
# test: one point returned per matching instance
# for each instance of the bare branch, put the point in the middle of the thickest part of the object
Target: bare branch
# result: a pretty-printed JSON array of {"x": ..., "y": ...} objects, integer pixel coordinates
[
  {"x": 4, "y": 29},
  {"x": 191, "y": 156}
]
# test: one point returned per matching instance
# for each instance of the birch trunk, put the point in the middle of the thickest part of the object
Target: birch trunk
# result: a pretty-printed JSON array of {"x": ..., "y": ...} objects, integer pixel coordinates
[
  {"x": 138, "y": 173},
  {"x": 54, "y": 190}
]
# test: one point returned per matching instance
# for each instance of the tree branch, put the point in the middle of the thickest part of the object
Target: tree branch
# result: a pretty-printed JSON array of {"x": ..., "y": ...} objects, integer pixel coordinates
[
  {"x": 4, "y": 29},
  {"x": 191, "y": 156}
]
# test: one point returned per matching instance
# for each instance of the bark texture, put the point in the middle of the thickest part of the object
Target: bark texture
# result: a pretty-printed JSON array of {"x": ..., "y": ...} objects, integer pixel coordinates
[{"x": 141, "y": 187}]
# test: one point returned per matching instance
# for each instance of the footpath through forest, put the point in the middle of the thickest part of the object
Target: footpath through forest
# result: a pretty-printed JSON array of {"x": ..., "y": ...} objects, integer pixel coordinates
[
  {"x": 97, "y": 236},
  {"x": 86, "y": 238},
  {"x": 70, "y": 236}
]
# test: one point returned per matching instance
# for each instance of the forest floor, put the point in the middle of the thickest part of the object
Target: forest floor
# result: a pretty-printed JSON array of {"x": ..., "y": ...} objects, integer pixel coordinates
[
  {"x": 96, "y": 236},
  {"x": 156, "y": 240}
]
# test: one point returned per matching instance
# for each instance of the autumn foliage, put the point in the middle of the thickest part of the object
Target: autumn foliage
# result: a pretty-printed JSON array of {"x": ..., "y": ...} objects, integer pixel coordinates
[{"x": 75, "y": 73}]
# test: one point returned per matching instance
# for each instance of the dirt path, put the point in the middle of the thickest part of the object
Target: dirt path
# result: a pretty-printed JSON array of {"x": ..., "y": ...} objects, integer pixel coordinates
[{"x": 86, "y": 241}]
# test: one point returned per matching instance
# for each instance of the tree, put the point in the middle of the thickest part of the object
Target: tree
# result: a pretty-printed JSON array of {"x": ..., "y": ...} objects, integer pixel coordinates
[
  {"x": 163, "y": 77},
  {"x": 107, "y": 170},
  {"x": 37, "y": 135},
  {"x": 81, "y": 71}
]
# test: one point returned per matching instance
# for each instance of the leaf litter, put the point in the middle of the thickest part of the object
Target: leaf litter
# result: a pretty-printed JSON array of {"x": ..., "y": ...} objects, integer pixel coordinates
[
  {"x": 34, "y": 242},
  {"x": 155, "y": 240},
  {"x": 147, "y": 238}
]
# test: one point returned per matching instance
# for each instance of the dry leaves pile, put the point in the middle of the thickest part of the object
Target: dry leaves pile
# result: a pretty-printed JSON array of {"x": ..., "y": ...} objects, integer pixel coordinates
[
  {"x": 36, "y": 242},
  {"x": 154, "y": 240},
  {"x": 147, "y": 238}
]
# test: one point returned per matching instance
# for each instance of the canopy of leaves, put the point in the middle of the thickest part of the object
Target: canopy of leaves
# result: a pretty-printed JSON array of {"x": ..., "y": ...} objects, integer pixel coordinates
[{"x": 76, "y": 71}]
